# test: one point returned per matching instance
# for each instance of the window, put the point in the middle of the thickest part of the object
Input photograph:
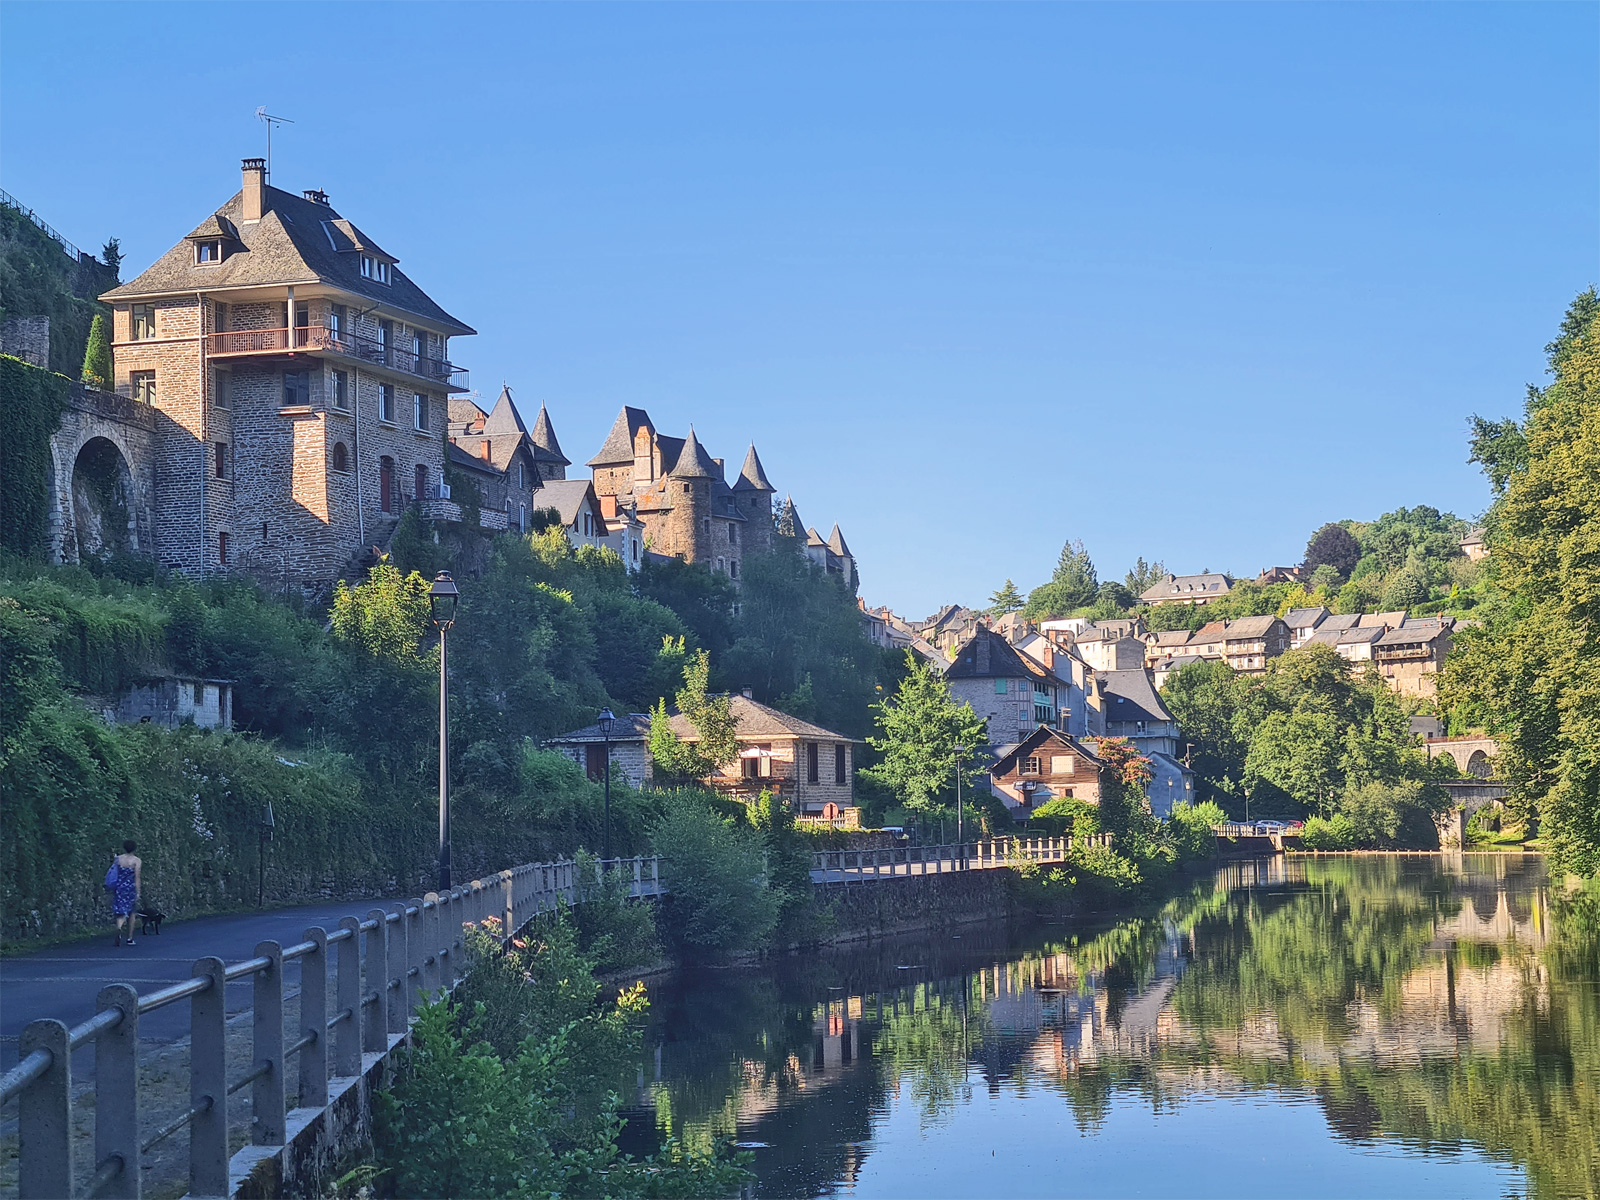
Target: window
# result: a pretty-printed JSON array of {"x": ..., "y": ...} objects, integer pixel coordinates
[
  {"x": 707, "y": 524},
  {"x": 385, "y": 340},
  {"x": 219, "y": 317},
  {"x": 143, "y": 321},
  {"x": 220, "y": 459},
  {"x": 722, "y": 564},
  {"x": 1022, "y": 717},
  {"x": 839, "y": 765},
  {"x": 338, "y": 320},
  {"x": 999, "y": 687},
  {"x": 421, "y": 480},
  {"x": 199, "y": 694},
  {"x": 1041, "y": 714},
  {"x": 419, "y": 412},
  {"x": 221, "y": 389},
  {"x": 297, "y": 389},
  {"x": 811, "y": 762},
  {"x": 1064, "y": 764},
  {"x": 588, "y": 523},
  {"x": 207, "y": 252},
  {"x": 386, "y": 484},
  {"x": 522, "y": 518},
  {"x": 374, "y": 268},
  {"x": 733, "y": 534},
  {"x": 222, "y": 548},
  {"x": 521, "y": 483},
  {"x": 733, "y": 568},
  {"x": 386, "y": 402},
  {"x": 341, "y": 457},
  {"x": 419, "y": 346},
  {"x": 341, "y": 390},
  {"x": 1030, "y": 765},
  {"x": 142, "y": 386}
]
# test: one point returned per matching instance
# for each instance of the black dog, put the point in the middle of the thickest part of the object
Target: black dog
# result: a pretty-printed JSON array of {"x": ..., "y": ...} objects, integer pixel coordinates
[{"x": 150, "y": 918}]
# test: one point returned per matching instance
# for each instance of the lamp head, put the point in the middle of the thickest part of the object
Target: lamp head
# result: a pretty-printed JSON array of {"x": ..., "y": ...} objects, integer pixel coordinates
[
  {"x": 442, "y": 598},
  {"x": 607, "y": 720}
]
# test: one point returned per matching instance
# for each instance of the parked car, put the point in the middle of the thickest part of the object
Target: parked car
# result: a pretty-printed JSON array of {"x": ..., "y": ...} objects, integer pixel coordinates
[{"x": 1270, "y": 827}]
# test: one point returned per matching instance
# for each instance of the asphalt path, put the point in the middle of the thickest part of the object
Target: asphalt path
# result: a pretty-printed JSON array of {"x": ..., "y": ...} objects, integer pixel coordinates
[{"x": 63, "y": 981}]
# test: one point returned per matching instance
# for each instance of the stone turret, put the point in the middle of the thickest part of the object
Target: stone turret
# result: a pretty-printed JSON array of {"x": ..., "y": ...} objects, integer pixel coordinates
[
  {"x": 752, "y": 497},
  {"x": 547, "y": 450},
  {"x": 689, "y": 491}
]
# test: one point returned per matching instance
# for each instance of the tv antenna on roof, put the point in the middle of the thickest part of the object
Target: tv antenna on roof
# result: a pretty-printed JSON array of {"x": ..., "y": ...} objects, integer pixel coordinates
[{"x": 263, "y": 115}]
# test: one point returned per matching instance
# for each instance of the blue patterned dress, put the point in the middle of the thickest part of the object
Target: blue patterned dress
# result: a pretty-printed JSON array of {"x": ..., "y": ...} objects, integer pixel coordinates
[{"x": 125, "y": 896}]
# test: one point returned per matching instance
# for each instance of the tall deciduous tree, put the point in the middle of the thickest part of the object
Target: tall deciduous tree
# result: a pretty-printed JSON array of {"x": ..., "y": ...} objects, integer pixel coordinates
[
  {"x": 1335, "y": 546},
  {"x": 717, "y": 739},
  {"x": 1531, "y": 674},
  {"x": 923, "y": 735}
]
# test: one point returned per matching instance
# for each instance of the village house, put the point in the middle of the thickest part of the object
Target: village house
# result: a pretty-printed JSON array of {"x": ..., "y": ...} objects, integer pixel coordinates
[
  {"x": 1046, "y": 765},
  {"x": 1164, "y": 645},
  {"x": 1130, "y": 708},
  {"x": 1164, "y": 668},
  {"x": 1354, "y": 643},
  {"x": 810, "y": 767},
  {"x": 1250, "y": 641},
  {"x": 1473, "y": 545},
  {"x": 1056, "y": 654},
  {"x": 1113, "y": 647},
  {"x": 302, "y": 382},
  {"x": 171, "y": 700},
  {"x": 1012, "y": 691},
  {"x": 1303, "y": 622},
  {"x": 1409, "y": 658},
  {"x": 1187, "y": 589}
]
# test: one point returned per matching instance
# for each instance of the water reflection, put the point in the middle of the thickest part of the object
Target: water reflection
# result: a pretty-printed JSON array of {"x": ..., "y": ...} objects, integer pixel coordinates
[{"x": 1363, "y": 1025}]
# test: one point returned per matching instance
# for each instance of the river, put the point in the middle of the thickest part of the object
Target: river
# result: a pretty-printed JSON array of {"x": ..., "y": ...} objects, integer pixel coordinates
[{"x": 1331, "y": 1026}]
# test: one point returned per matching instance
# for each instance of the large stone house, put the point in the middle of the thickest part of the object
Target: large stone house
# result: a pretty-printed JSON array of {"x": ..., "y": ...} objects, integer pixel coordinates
[
  {"x": 1409, "y": 658},
  {"x": 301, "y": 380},
  {"x": 1249, "y": 642},
  {"x": 806, "y": 765},
  {"x": 1187, "y": 589},
  {"x": 1014, "y": 692}
]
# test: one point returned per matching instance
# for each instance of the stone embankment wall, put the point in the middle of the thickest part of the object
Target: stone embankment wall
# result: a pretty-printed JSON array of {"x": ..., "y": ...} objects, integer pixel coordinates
[{"x": 914, "y": 902}]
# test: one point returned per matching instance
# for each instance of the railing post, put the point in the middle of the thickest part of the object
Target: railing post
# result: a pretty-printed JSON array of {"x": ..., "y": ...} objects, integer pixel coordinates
[
  {"x": 432, "y": 943},
  {"x": 416, "y": 955},
  {"x": 208, "y": 1080},
  {"x": 44, "y": 1116},
  {"x": 267, "y": 1101},
  {"x": 116, "y": 1092},
  {"x": 638, "y": 877},
  {"x": 508, "y": 914},
  {"x": 314, "y": 1020},
  {"x": 394, "y": 983},
  {"x": 347, "y": 1033},
  {"x": 375, "y": 998},
  {"x": 449, "y": 935},
  {"x": 655, "y": 872}
]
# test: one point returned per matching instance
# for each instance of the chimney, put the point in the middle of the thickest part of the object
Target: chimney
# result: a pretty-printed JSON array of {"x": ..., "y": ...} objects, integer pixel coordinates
[
  {"x": 485, "y": 449},
  {"x": 316, "y": 196},
  {"x": 255, "y": 188},
  {"x": 747, "y": 694}
]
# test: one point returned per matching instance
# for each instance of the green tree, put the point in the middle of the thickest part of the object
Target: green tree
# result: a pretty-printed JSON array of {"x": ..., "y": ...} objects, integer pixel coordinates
[
  {"x": 1405, "y": 589},
  {"x": 716, "y": 742},
  {"x": 720, "y": 901},
  {"x": 111, "y": 255},
  {"x": 1205, "y": 698},
  {"x": 387, "y": 616},
  {"x": 1073, "y": 585},
  {"x": 923, "y": 733},
  {"x": 1006, "y": 600},
  {"x": 97, "y": 355},
  {"x": 1531, "y": 673},
  {"x": 1144, "y": 576}
]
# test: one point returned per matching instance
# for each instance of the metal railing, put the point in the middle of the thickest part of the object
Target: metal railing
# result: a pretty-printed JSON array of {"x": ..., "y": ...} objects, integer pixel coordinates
[
  {"x": 988, "y": 854},
  {"x": 67, "y": 247},
  {"x": 235, "y": 342},
  {"x": 412, "y": 949}
]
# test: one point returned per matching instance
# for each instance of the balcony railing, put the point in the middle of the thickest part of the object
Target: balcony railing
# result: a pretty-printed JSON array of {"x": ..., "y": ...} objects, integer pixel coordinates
[{"x": 319, "y": 338}]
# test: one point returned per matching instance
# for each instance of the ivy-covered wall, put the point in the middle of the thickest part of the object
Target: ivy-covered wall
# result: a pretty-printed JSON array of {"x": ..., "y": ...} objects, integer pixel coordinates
[{"x": 31, "y": 404}]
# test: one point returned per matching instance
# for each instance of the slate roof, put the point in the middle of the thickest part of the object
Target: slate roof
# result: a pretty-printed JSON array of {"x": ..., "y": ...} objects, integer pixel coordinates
[
  {"x": 1250, "y": 627},
  {"x": 753, "y": 476},
  {"x": 544, "y": 440},
  {"x": 566, "y": 496},
  {"x": 1339, "y": 621},
  {"x": 1130, "y": 696},
  {"x": 471, "y": 462},
  {"x": 618, "y": 446},
  {"x": 1389, "y": 620},
  {"x": 836, "y": 543},
  {"x": 628, "y": 727},
  {"x": 692, "y": 461},
  {"x": 297, "y": 241},
  {"x": 987, "y": 655},
  {"x": 1182, "y": 586},
  {"x": 1413, "y": 633},
  {"x": 1305, "y": 618},
  {"x": 1168, "y": 639},
  {"x": 754, "y": 721}
]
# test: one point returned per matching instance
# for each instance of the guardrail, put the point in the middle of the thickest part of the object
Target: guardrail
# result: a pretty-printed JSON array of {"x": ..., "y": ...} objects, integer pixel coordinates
[
  {"x": 850, "y": 866},
  {"x": 411, "y": 949}
]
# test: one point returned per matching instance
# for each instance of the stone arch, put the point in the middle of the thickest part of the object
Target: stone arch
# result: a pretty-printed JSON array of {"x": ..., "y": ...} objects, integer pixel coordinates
[
  {"x": 103, "y": 500},
  {"x": 1479, "y": 765}
]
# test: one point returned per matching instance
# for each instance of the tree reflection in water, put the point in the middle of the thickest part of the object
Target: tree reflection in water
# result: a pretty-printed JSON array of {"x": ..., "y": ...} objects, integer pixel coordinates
[{"x": 1430, "y": 1002}]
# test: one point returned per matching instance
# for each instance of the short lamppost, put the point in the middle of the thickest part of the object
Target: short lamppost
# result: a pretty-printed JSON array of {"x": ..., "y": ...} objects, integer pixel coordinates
[
  {"x": 606, "y": 721},
  {"x": 442, "y": 599},
  {"x": 265, "y": 833}
]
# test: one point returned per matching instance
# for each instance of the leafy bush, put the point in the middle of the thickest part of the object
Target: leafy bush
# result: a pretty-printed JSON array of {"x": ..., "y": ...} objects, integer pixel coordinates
[
  {"x": 1328, "y": 833},
  {"x": 720, "y": 902},
  {"x": 616, "y": 933},
  {"x": 1065, "y": 815},
  {"x": 1190, "y": 828}
]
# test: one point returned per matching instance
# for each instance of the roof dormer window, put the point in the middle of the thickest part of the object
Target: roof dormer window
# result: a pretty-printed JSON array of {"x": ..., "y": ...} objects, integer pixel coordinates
[
  {"x": 208, "y": 253},
  {"x": 373, "y": 267}
]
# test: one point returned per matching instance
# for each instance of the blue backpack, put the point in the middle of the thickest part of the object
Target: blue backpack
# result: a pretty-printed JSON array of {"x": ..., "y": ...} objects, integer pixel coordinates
[{"x": 111, "y": 876}]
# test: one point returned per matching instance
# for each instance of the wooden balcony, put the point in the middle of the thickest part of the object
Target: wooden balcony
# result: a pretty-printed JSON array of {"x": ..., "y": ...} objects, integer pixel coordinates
[{"x": 320, "y": 340}]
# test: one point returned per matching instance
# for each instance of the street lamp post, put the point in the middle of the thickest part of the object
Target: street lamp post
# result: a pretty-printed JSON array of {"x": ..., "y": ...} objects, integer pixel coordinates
[
  {"x": 607, "y": 719},
  {"x": 442, "y": 599}
]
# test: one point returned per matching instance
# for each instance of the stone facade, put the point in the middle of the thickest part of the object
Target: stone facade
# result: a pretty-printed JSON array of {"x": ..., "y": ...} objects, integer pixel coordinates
[
  {"x": 174, "y": 701},
  {"x": 104, "y": 460}
]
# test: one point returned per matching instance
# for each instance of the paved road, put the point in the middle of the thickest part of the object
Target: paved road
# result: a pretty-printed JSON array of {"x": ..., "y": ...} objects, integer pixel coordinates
[{"x": 62, "y": 982}]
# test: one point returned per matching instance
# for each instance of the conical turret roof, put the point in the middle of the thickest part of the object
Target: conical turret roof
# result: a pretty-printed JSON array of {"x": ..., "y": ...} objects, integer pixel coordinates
[
  {"x": 544, "y": 437},
  {"x": 693, "y": 461},
  {"x": 836, "y": 543},
  {"x": 618, "y": 446},
  {"x": 789, "y": 523},
  {"x": 504, "y": 418},
  {"x": 752, "y": 476}
]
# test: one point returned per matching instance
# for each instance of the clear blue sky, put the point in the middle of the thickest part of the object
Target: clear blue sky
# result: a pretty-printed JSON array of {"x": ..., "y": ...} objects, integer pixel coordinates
[{"x": 1179, "y": 281}]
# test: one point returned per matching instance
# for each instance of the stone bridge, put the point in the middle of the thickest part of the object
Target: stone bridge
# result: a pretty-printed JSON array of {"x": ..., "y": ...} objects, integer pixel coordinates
[
  {"x": 1475, "y": 756},
  {"x": 1480, "y": 789},
  {"x": 102, "y": 477}
]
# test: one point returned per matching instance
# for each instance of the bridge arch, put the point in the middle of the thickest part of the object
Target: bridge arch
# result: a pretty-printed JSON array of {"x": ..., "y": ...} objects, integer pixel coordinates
[{"x": 102, "y": 477}]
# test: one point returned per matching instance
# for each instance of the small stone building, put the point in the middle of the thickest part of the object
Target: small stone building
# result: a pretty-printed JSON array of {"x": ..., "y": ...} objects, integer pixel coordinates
[{"x": 173, "y": 700}]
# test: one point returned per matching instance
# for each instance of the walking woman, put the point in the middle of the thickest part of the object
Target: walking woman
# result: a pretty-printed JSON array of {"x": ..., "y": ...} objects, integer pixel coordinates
[{"x": 125, "y": 888}]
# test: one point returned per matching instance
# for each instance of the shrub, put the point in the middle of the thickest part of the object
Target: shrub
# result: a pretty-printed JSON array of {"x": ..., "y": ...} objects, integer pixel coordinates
[
  {"x": 615, "y": 932},
  {"x": 1328, "y": 833},
  {"x": 1065, "y": 815},
  {"x": 1190, "y": 826},
  {"x": 720, "y": 902},
  {"x": 97, "y": 355}
]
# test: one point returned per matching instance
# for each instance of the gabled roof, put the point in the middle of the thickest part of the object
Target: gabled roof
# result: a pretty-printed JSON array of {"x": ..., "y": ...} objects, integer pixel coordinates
[
  {"x": 296, "y": 241},
  {"x": 214, "y": 226},
  {"x": 566, "y": 496},
  {"x": 1185, "y": 586},
  {"x": 618, "y": 447},
  {"x": 1250, "y": 627},
  {"x": 1388, "y": 620},
  {"x": 472, "y": 462},
  {"x": 1168, "y": 639},
  {"x": 836, "y": 543},
  {"x": 1039, "y": 737},
  {"x": 754, "y": 721},
  {"x": 752, "y": 476},
  {"x": 544, "y": 440},
  {"x": 1302, "y": 618},
  {"x": 987, "y": 655},
  {"x": 1414, "y": 633},
  {"x": 1130, "y": 696},
  {"x": 692, "y": 461},
  {"x": 504, "y": 418},
  {"x": 1339, "y": 621}
]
